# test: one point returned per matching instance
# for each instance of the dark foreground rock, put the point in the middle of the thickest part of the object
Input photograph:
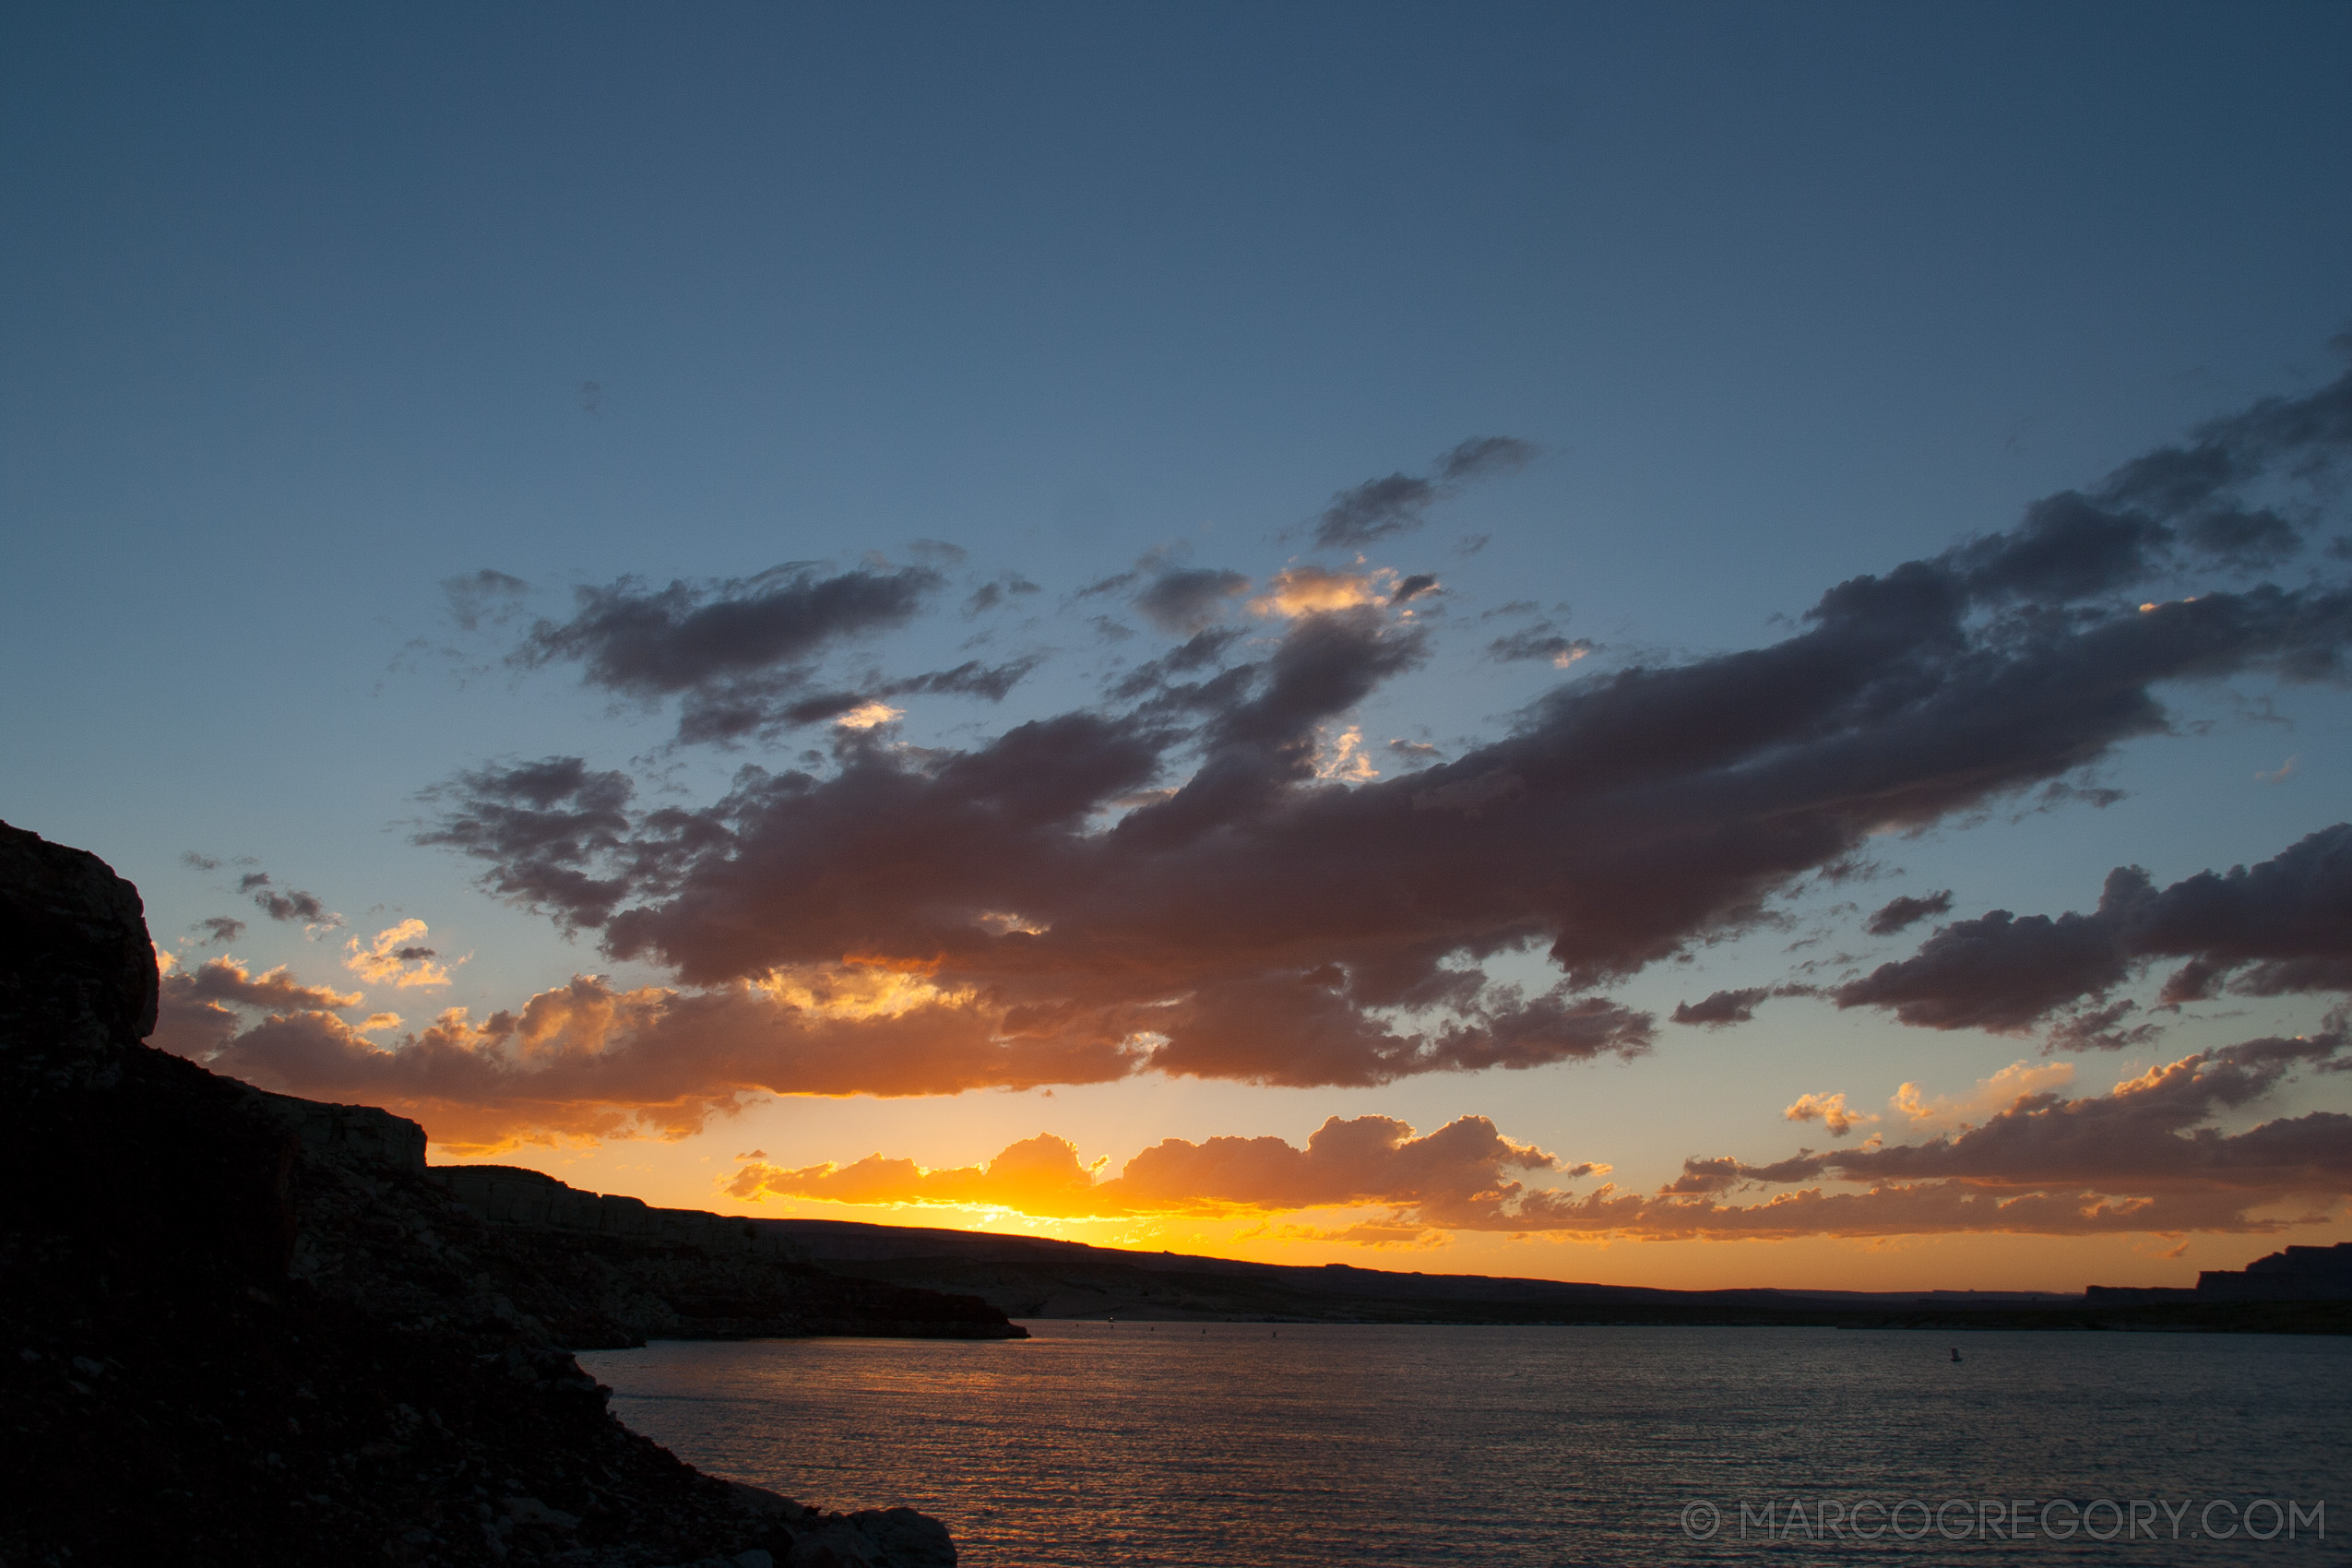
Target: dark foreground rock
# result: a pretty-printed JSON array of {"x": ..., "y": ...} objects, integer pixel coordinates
[
  {"x": 222, "y": 1341},
  {"x": 606, "y": 1272}
]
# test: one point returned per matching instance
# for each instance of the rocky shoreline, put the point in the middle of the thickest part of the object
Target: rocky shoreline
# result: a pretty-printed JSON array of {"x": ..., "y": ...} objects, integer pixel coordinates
[{"x": 241, "y": 1329}]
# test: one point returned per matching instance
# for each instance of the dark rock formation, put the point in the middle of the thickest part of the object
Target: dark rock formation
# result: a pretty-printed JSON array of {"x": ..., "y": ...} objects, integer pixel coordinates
[
  {"x": 2298, "y": 1274},
  {"x": 241, "y": 1329},
  {"x": 608, "y": 1271},
  {"x": 78, "y": 986}
]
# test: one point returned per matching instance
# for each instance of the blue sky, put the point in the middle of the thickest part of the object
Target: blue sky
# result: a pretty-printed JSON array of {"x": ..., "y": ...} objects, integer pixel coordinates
[{"x": 315, "y": 312}]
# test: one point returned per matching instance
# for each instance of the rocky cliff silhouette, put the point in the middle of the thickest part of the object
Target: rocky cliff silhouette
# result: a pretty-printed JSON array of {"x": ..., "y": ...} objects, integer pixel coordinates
[{"x": 239, "y": 1329}]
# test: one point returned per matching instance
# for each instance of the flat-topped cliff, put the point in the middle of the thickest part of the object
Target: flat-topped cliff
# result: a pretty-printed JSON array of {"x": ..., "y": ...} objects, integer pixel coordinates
[{"x": 238, "y": 1328}]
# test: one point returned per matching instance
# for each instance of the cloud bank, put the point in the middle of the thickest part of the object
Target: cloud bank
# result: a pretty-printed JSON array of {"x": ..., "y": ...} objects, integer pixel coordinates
[
  {"x": 1191, "y": 890},
  {"x": 1197, "y": 878},
  {"x": 1460, "y": 1172},
  {"x": 2143, "y": 1158}
]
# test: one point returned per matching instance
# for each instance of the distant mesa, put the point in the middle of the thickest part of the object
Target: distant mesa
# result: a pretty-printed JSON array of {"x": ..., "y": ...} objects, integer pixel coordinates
[{"x": 2298, "y": 1274}]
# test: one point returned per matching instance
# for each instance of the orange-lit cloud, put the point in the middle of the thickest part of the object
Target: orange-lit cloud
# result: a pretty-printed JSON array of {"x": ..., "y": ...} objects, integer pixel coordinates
[
  {"x": 2141, "y": 1158},
  {"x": 1829, "y": 1110},
  {"x": 397, "y": 956},
  {"x": 1455, "y": 1175},
  {"x": 589, "y": 1061},
  {"x": 1304, "y": 590},
  {"x": 217, "y": 980},
  {"x": 869, "y": 715},
  {"x": 1344, "y": 760},
  {"x": 1997, "y": 1093}
]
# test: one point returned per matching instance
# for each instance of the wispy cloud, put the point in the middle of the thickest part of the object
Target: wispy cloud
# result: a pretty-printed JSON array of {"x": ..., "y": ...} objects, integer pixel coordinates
[
  {"x": 1380, "y": 508},
  {"x": 1208, "y": 884},
  {"x": 741, "y": 656}
]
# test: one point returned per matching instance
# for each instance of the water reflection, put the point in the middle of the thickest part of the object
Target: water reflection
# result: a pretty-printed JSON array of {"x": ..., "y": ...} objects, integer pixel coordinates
[{"x": 1171, "y": 1443}]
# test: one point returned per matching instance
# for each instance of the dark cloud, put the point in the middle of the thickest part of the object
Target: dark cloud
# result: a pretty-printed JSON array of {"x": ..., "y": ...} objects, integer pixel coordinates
[
  {"x": 989, "y": 595},
  {"x": 294, "y": 905},
  {"x": 2101, "y": 1028},
  {"x": 562, "y": 836},
  {"x": 2284, "y": 925},
  {"x": 2256, "y": 540},
  {"x": 1412, "y": 588},
  {"x": 1726, "y": 1007},
  {"x": 738, "y": 653},
  {"x": 1202, "y": 651},
  {"x": 222, "y": 928},
  {"x": 1379, "y": 507},
  {"x": 972, "y": 678},
  {"x": 1415, "y": 753},
  {"x": 540, "y": 826},
  {"x": 289, "y": 905},
  {"x": 1629, "y": 816},
  {"x": 1376, "y": 509},
  {"x": 1896, "y": 914},
  {"x": 1114, "y": 583},
  {"x": 1186, "y": 600},
  {"x": 2185, "y": 504},
  {"x": 1723, "y": 1007},
  {"x": 1174, "y": 884},
  {"x": 201, "y": 862}
]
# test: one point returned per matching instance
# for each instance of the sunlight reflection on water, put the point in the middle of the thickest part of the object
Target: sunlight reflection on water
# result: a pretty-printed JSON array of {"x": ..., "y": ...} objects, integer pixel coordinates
[{"x": 1206, "y": 1445}]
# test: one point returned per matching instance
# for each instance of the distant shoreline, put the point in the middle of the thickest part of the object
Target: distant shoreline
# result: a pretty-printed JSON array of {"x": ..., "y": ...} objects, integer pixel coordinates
[{"x": 1029, "y": 1278}]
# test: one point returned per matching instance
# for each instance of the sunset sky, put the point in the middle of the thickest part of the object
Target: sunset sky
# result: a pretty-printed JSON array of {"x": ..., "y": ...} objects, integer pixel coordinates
[{"x": 1689, "y": 645}]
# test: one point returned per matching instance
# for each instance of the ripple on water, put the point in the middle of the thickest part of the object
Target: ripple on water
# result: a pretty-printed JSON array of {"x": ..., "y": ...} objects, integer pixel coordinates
[{"x": 1207, "y": 1446}]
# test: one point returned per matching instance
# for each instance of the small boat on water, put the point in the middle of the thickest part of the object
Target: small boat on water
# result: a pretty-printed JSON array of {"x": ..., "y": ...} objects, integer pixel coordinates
[{"x": 1956, "y": 1352}]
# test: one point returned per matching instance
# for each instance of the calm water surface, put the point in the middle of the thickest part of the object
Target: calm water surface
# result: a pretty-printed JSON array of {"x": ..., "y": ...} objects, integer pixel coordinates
[{"x": 1241, "y": 1444}]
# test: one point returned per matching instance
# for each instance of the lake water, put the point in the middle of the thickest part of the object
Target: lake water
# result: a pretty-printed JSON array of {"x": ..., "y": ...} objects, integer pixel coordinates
[{"x": 1200, "y": 1446}]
